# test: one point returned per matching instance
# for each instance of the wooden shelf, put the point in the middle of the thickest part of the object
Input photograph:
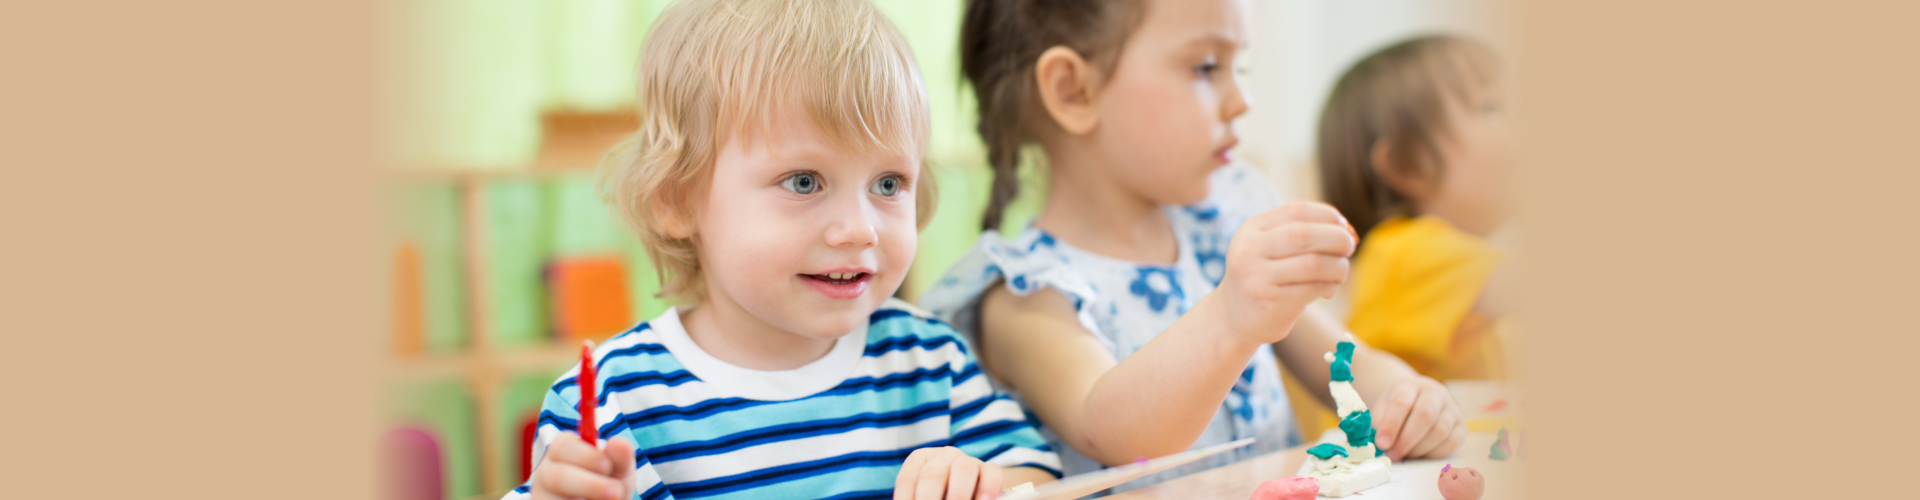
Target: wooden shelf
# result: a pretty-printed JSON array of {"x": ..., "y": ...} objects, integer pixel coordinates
[
  {"x": 570, "y": 143},
  {"x": 430, "y": 366},
  {"x": 576, "y": 141}
]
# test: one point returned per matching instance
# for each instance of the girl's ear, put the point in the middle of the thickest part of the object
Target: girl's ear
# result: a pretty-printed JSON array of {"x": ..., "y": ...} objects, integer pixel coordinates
[
  {"x": 1068, "y": 89},
  {"x": 1408, "y": 180}
]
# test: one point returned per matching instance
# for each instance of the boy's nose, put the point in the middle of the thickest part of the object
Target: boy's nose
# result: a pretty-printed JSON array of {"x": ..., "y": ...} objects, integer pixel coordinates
[{"x": 853, "y": 225}]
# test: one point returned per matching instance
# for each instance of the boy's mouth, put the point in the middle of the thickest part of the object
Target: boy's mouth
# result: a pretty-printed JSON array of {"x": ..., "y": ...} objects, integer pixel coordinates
[{"x": 839, "y": 285}]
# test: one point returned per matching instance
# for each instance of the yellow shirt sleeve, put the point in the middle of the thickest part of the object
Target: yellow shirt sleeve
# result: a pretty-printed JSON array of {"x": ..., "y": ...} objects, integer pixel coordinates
[{"x": 1415, "y": 282}]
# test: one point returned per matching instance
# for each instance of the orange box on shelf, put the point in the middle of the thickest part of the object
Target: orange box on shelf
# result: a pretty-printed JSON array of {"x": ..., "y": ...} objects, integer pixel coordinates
[
  {"x": 589, "y": 296},
  {"x": 408, "y": 330}
]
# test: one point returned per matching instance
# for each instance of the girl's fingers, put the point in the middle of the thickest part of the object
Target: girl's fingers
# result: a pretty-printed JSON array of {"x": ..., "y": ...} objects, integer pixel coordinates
[
  {"x": 990, "y": 484},
  {"x": 962, "y": 478},
  {"x": 1420, "y": 419},
  {"x": 1393, "y": 413},
  {"x": 933, "y": 476},
  {"x": 1436, "y": 432},
  {"x": 1456, "y": 438},
  {"x": 1307, "y": 269},
  {"x": 1303, "y": 294},
  {"x": 1298, "y": 212},
  {"x": 567, "y": 480},
  {"x": 1302, "y": 238},
  {"x": 1437, "y": 438},
  {"x": 570, "y": 449}
]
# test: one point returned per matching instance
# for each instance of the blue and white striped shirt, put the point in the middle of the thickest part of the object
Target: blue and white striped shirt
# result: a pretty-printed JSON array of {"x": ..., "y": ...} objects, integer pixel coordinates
[{"x": 837, "y": 428}]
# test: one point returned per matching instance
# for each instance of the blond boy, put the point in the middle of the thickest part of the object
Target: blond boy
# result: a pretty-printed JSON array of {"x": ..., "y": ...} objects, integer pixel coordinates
[{"x": 777, "y": 180}]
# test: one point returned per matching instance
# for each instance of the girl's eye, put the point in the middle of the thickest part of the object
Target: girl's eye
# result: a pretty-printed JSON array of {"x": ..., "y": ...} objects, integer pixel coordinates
[
  {"x": 886, "y": 186},
  {"x": 1207, "y": 68},
  {"x": 802, "y": 183}
]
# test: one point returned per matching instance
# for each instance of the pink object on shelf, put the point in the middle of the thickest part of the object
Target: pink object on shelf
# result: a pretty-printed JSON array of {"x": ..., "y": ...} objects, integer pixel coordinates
[
  {"x": 413, "y": 470},
  {"x": 1288, "y": 488},
  {"x": 1461, "y": 483}
]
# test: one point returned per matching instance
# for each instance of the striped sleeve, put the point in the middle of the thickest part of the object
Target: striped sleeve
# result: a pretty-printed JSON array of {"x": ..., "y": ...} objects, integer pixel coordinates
[
  {"x": 990, "y": 426},
  {"x": 559, "y": 415}
]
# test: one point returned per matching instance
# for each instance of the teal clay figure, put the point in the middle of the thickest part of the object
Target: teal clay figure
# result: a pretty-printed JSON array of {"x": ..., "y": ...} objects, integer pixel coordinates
[
  {"x": 1353, "y": 463},
  {"x": 1325, "y": 451},
  {"x": 1359, "y": 428},
  {"x": 1342, "y": 368}
]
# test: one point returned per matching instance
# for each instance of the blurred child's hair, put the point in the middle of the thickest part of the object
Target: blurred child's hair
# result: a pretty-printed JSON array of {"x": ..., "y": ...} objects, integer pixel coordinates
[
  {"x": 1001, "y": 42},
  {"x": 712, "y": 70},
  {"x": 1396, "y": 97}
]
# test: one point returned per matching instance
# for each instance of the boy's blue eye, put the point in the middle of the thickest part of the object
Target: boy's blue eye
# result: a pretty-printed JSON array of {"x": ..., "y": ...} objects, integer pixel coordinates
[
  {"x": 886, "y": 186},
  {"x": 802, "y": 183}
]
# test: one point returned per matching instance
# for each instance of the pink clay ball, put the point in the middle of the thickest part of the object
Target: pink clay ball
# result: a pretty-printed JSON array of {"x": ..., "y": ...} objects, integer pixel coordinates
[
  {"x": 1288, "y": 488},
  {"x": 1462, "y": 483}
]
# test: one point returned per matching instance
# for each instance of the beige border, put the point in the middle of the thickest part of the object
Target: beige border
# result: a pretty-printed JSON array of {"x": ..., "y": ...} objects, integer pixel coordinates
[
  {"x": 1720, "y": 220},
  {"x": 191, "y": 280}
]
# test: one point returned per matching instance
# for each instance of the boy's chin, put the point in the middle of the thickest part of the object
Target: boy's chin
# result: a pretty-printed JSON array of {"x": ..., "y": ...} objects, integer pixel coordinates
[
  {"x": 828, "y": 319},
  {"x": 830, "y": 322},
  {"x": 830, "y": 326}
]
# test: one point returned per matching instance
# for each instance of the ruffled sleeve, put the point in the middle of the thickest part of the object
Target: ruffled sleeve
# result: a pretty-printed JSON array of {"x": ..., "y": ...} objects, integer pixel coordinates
[
  {"x": 1025, "y": 264},
  {"x": 1235, "y": 193}
]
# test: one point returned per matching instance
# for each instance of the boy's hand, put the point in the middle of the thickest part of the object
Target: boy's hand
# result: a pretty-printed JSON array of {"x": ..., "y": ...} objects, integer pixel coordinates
[
  {"x": 574, "y": 469},
  {"x": 946, "y": 473},
  {"x": 1418, "y": 419},
  {"x": 1279, "y": 262}
]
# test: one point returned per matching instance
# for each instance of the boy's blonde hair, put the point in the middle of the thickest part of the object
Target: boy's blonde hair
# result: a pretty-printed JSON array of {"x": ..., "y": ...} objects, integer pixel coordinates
[{"x": 715, "y": 69}]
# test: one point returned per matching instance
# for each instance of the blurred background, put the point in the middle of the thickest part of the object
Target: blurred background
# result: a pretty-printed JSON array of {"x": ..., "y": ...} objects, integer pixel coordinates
[
  {"x": 1714, "y": 197},
  {"x": 502, "y": 255}
]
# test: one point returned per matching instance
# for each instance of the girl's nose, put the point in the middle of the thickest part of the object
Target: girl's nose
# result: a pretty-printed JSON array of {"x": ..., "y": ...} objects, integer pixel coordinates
[{"x": 1235, "y": 101}]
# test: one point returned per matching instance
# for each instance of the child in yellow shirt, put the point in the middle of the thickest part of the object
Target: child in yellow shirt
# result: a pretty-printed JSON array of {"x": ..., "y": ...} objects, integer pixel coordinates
[{"x": 1414, "y": 151}]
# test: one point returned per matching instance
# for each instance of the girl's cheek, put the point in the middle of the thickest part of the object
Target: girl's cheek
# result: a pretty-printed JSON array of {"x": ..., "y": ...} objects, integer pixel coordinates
[{"x": 1169, "y": 116}]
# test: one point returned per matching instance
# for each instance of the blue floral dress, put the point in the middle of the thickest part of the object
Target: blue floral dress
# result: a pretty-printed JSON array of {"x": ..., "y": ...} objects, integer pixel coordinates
[{"x": 1125, "y": 304}]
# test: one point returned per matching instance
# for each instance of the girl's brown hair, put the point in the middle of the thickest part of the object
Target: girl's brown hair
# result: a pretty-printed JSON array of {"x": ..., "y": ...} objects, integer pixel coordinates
[
  {"x": 1000, "y": 43},
  {"x": 1396, "y": 97}
]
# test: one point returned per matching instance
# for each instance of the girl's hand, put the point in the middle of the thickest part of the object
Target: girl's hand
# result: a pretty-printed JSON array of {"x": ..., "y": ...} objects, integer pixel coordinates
[
  {"x": 1418, "y": 419},
  {"x": 574, "y": 469},
  {"x": 1279, "y": 262},
  {"x": 946, "y": 473}
]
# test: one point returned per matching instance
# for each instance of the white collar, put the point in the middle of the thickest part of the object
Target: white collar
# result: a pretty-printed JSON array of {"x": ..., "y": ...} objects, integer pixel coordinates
[{"x": 734, "y": 381}]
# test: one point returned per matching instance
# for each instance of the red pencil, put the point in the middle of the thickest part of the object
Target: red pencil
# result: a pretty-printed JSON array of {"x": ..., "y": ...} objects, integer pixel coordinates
[{"x": 589, "y": 426}]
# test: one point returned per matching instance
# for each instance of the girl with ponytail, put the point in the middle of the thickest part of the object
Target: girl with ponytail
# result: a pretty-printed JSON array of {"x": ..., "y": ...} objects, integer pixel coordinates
[{"x": 1148, "y": 308}]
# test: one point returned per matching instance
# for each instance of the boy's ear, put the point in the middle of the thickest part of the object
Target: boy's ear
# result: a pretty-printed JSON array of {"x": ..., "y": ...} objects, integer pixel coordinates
[
  {"x": 1408, "y": 180},
  {"x": 673, "y": 222},
  {"x": 1068, "y": 89}
]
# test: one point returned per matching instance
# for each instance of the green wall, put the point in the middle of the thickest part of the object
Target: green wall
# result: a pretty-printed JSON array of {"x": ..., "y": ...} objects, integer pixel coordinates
[{"x": 476, "y": 76}]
